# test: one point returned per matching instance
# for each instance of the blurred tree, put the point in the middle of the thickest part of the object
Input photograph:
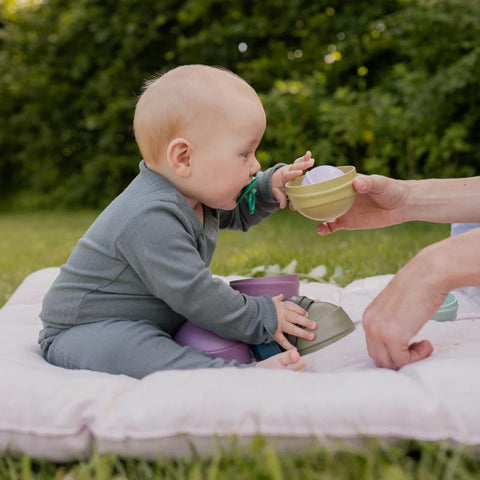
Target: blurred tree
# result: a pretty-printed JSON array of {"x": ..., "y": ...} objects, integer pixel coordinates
[
  {"x": 390, "y": 86},
  {"x": 398, "y": 94}
]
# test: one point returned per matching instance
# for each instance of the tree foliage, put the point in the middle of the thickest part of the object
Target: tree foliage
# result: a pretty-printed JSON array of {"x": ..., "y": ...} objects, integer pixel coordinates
[{"x": 390, "y": 86}]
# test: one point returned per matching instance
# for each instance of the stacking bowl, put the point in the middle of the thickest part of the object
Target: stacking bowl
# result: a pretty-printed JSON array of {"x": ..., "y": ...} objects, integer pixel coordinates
[
  {"x": 448, "y": 310},
  {"x": 323, "y": 201},
  {"x": 272, "y": 285}
]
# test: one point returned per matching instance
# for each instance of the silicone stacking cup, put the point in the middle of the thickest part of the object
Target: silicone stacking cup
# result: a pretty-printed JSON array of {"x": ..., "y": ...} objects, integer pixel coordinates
[
  {"x": 211, "y": 344},
  {"x": 448, "y": 311},
  {"x": 216, "y": 346},
  {"x": 332, "y": 324},
  {"x": 323, "y": 201},
  {"x": 274, "y": 285}
]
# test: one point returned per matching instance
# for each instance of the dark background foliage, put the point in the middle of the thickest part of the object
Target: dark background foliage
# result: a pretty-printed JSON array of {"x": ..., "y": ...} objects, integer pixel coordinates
[{"x": 390, "y": 86}]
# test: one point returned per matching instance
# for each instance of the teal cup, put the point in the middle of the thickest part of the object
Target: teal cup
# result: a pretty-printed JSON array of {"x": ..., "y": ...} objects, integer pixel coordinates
[{"x": 448, "y": 311}]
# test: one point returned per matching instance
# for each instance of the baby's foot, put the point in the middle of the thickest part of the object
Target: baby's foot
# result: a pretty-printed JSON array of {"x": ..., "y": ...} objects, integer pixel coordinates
[{"x": 289, "y": 360}]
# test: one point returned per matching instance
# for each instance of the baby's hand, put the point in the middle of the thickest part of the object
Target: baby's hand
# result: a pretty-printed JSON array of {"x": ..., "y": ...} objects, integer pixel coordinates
[
  {"x": 289, "y": 315},
  {"x": 284, "y": 174}
]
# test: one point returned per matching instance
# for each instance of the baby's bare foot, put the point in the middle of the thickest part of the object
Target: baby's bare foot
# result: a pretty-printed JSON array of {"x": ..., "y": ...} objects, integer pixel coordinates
[{"x": 289, "y": 360}]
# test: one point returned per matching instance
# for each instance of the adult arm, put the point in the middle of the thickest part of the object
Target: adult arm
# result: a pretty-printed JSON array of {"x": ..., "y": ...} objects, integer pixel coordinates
[
  {"x": 419, "y": 288},
  {"x": 383, "y": 201},
  {"x": 415, "y": 293}
]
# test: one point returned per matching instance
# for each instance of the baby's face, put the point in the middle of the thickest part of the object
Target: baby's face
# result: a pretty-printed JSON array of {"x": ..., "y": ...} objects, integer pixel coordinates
[{"x": 224, "y": 151}]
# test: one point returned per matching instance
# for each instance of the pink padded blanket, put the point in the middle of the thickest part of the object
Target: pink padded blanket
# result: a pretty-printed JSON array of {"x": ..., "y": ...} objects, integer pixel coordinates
[{"x": 48, "y": 412}]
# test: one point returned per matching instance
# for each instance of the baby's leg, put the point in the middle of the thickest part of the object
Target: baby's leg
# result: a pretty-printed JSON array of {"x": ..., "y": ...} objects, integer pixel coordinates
[
  {"x": 289, "y": 360},
  {"x": 120, "y": 346}
]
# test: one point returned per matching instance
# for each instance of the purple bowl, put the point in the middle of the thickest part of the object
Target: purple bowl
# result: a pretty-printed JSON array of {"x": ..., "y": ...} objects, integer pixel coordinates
[
  {"x": 216, "y": 346},
  {"x": 211, "y": 344},
  {"x": 270, "y": 279},
  {"x": 275, "y": 285}
]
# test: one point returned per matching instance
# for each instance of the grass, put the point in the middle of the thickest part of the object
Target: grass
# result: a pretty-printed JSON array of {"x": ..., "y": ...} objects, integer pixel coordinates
[
  {"x": 287, "y": 236},
  {"x": 374, "y": 460},
  {"x": 31, "y": 241}
]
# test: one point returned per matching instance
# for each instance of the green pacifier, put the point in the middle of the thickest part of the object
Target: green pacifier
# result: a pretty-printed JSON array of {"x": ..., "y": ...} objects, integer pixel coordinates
[{"x": 250, "y": 191}]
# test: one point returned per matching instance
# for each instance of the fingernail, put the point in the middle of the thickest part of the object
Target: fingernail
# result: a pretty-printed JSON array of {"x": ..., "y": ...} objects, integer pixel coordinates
[{"x": 360, "y": 183}]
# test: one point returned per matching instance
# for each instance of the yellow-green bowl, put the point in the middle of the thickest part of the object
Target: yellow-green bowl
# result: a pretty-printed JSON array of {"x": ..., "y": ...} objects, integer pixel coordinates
[{"x": 323, "y": 201}]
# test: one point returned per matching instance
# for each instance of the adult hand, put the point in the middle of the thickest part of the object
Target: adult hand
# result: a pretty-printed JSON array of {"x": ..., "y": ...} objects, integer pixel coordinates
[
  {"x": 415, "y": 294},
  {"x": 378, "y": 204},
  {"x": 397, "y": 314}
]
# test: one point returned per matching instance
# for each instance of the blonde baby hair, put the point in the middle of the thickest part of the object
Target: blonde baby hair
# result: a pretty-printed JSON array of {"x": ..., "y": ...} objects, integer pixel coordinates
[{"x": 171, "y": 101}]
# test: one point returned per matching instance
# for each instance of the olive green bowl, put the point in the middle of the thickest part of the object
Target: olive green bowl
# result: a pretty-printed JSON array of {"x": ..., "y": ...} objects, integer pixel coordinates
[{"x": 323, "y": 201}]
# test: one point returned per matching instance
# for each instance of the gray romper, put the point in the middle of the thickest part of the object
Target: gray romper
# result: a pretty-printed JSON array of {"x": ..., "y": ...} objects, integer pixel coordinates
[{"x": 139, "y": 272}]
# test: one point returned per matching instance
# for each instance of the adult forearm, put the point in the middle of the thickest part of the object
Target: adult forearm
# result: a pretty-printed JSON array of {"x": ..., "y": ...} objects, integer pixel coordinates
[
  {"x": 453, "y": 262},
  {"x": 443, "y": 200}
]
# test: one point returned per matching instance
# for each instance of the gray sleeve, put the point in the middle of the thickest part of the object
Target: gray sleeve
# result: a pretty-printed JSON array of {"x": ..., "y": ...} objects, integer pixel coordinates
[
  {"x": 240, "y": 217},
  {"x": 161, "y": 246}
]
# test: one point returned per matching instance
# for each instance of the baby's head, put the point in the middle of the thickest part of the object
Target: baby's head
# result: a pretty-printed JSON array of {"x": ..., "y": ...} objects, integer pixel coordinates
[
  {"x": 194, "y": 113},
  {"x": 187, "y": 97}
]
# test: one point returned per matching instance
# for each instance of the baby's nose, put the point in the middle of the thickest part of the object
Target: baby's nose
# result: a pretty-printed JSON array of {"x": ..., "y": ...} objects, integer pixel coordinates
[{"x": 255, "y": 166}]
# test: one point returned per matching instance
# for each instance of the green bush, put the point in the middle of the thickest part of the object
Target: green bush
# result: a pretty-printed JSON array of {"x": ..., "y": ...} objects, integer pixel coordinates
[{"x": 390, "y": 87}]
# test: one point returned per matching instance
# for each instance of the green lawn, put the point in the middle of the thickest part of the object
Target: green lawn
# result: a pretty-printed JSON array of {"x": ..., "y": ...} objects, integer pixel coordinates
[
  {"x": 287, "y": 236},
  {"x": 259, "y": 461},
  {"x": 30, "y": 241}
]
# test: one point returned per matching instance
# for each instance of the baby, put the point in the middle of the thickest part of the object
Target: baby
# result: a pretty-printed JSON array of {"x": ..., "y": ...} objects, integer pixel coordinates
[{"x": 141, "y": 269}]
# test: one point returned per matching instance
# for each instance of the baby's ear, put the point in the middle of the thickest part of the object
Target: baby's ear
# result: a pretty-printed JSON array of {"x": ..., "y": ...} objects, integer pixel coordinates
[{"x": 178, "y": 156}]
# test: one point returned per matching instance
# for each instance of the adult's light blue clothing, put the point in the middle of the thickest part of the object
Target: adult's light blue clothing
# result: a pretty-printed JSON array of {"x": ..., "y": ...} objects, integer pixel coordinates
[{"x": 456, "y": 229}]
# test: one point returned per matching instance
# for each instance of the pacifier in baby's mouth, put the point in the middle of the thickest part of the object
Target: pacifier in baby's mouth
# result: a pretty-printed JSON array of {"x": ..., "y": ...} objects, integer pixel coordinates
[{"x": 250, "y": 191}]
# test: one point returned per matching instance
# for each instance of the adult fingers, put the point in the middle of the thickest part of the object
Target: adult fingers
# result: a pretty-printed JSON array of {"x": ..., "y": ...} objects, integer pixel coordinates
[
  {"x": 395, "y": 356},
  {"x": 413, "y": 353},
  {"x": 361, "y": 183},
  {"x": 327, "y": 227},
  {"x": 380, "y": 355}
]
